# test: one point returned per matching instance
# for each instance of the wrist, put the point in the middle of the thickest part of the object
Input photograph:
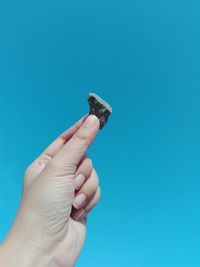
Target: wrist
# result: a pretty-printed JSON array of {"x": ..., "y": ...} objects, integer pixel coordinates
[
  {"x": 20, "y": 248},
  {"x": 13, "y": 256}
]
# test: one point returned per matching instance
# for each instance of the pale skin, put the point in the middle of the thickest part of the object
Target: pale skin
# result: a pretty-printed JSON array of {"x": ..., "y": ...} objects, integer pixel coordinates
[{"x": 50, "y": 226}]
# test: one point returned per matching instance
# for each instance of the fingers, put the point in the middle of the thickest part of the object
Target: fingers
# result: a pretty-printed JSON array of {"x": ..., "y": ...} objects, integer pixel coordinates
[
  {"x": 87, "y": 191},
  {"x": 56, "y": 145},
  {"x": 87, "y": 196},
  {"x": 83, "y": 172},
  {"x": 82, "y": 213},
  {"x": 72, "y": 152},
  {"x": 38, "y": 164}
]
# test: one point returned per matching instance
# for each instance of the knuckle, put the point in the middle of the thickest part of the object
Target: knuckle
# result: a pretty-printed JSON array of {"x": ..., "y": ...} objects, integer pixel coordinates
[
  {"x": 92, "y": 185},
  {"x": 86, "y": 167},
  {"x": 98, "y": 193},
  {"x": 94, "y": 201},
  {"x": 97, "y": 196},
  {"x": 95, "y": 177},
  {"x": 89, "y": 164}
]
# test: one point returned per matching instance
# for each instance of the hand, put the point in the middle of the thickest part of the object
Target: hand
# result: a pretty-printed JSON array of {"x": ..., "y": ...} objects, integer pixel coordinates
[{"x": 50, "y": 227}]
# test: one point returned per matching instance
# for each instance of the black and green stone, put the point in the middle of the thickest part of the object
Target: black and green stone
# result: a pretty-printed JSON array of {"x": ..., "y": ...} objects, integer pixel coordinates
[{"x": 100, "y": 108}]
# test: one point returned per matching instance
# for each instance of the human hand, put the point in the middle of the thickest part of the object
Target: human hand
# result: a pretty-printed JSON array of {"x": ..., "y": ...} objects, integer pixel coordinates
[{"x": 50, "y": 226}]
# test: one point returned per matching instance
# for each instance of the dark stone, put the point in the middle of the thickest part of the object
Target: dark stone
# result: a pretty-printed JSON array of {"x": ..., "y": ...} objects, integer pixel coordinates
[{"x": 99, "y": 108}]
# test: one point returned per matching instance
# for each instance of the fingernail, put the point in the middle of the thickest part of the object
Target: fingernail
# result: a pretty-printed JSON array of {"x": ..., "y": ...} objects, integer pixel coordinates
[
  {"x": 79, "y": 214},
  {"x": 79, "y": 179},
  {"x": 90, "y": 121},
  {"x": 79, "y": 200}
]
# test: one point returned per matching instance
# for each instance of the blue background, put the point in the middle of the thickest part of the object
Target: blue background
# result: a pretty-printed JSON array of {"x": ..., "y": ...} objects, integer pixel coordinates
[{"x": 143, "y": 57}]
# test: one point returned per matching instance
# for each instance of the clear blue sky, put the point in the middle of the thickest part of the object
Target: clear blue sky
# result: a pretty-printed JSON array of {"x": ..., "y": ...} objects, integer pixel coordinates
[{"x": 143, "y": 57}]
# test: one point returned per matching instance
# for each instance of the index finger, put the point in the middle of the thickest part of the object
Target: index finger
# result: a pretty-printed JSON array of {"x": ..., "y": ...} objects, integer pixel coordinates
[{"x": 61, "y": 140}]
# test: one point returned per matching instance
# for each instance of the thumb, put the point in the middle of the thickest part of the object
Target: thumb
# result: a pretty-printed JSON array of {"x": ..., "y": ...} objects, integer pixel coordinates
[{"x": 74, "y": 150}]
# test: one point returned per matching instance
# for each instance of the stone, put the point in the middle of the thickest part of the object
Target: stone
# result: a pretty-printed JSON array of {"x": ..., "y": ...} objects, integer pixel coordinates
[{"x": 100, "y": 108}]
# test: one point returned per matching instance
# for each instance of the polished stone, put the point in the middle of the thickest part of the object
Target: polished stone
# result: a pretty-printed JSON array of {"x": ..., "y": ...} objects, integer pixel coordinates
[{"x": 99, "y": 108}]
